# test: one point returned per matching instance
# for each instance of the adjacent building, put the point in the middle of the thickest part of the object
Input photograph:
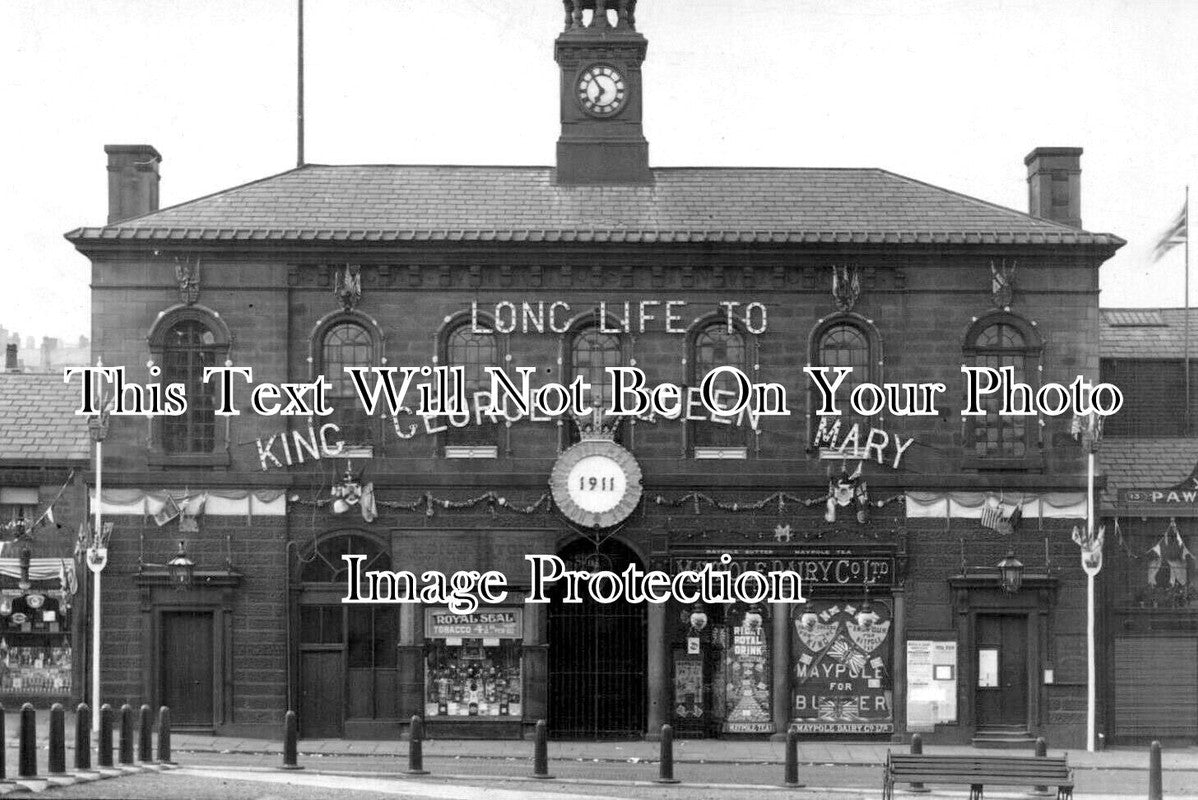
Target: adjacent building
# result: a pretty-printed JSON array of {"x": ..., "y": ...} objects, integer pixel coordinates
[{"x": 897, "y": 523}]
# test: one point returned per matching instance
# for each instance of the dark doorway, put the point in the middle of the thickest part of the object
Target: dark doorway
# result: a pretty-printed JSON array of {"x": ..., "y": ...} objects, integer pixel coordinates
[
  {"x": 1002, "y": 670},
  {"x": 187, "y": 666},
  {"x": 321, "y": 684},
  {"x": 596, "y": 655}
]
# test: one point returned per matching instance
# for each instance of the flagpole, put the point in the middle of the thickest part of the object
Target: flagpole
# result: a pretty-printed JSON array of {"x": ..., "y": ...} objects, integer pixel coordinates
[
  {"x": 1186, "y": 345},
  {"x": 299, "y": 100},
  {"x": 1091, "y": 677}
]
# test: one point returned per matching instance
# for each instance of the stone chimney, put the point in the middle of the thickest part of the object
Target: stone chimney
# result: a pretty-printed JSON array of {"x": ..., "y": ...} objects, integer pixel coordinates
[
  {"x": 10, "y": 359},
  {"x": 1054, "y": 192},
  {"x": 132, "y": 180}
]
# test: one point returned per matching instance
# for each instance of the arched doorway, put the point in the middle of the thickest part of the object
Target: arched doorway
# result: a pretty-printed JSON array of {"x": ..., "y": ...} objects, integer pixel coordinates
[
  {"x": 596, "y": 655},
  {"x": 348, "y": 654}
]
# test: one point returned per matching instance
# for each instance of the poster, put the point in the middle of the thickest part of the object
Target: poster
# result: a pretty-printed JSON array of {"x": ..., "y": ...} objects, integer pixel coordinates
[
  {"x": 931, "y": 683},
  {"x": 747, "y": 696},
  {"x": 842, "y": 677},
  {"x": 688, "y": 687}
]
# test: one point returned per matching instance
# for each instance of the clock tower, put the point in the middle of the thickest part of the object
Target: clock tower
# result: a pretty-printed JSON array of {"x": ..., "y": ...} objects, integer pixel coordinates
[{"x": 600, "y": 54}]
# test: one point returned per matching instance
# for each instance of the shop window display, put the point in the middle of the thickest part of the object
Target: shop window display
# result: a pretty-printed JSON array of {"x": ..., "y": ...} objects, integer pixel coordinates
[
  {"x": 35, "y": 646},
  {"x": 473, "y": 663}
]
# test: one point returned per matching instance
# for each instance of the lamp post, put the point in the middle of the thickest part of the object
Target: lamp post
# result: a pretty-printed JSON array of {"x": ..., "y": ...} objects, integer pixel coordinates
[{"x": 97, "y": 554}]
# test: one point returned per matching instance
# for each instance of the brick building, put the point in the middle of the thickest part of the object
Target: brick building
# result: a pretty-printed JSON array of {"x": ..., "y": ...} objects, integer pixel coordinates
[
  {"x": 1149, "y": 458},
  {"x": 599, "y": 260},
  {"x": 44, "y": 454}
]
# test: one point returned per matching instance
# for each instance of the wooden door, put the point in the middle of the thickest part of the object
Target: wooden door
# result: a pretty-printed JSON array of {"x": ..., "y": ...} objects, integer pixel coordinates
[
  {"x": 186, "y": 677},
  {"x": 322, "y": 693},
  {"x": 1002, "y": 690}
]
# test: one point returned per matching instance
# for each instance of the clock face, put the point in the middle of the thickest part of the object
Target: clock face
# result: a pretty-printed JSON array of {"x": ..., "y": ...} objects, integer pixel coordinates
[{"x": 602, "y": 91}]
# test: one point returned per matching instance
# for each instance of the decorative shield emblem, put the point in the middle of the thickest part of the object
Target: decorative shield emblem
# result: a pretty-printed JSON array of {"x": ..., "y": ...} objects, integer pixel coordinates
[
  {"x": 815, "y": 635},
  {"x": 97, "y": 558},
  {"x": 869, "y": 635}
]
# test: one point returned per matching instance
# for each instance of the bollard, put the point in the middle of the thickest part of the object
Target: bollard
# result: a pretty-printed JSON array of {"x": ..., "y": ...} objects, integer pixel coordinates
[
  {"x": 83, "y": 738},
  {"x": 290, "y": 742},
  {"x": 57, "y": 761},
  {"x": 666, "y": 763},
  {"x": 145, "y": 735},
  {"x": 1155, "y": 790},
  {"x": 917, "y": 750},
  {"x": 164, "y": 736},
  {"x": 792, "y": 760},
  {"x": 126, "y": 743},
  {"x": 540, "y": 751},
  {"x": 416, "y": 747},
  {"x": 1041, "y": 752},
  {"x": 27, "y": 754},
  {"x": 104, "y": 746}
]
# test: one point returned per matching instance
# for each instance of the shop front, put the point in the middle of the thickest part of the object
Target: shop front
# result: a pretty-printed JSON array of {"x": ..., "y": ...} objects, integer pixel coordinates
[
  {"x": 473, "y": 664},
  {"x": 822, "y": 667},
  {"x": 36, "y": 643}
]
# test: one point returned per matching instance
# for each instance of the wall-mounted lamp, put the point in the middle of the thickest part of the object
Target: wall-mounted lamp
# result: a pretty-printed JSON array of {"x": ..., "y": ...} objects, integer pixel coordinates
[
  {"x": 181, "y": 569},
  {"x": 1010, "y": 573}
]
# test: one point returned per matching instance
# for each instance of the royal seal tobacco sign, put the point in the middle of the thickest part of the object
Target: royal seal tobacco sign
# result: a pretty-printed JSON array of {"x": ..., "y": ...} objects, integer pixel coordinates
[{"x": 596, "y": 483}]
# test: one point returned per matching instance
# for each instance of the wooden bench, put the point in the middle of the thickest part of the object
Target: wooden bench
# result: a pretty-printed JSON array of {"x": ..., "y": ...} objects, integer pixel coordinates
[{"x": 977, "y": 771}]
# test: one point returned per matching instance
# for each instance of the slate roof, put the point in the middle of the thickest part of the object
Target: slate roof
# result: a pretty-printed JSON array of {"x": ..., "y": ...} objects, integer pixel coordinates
[
  {"x": 1146, "y": 333},
  {"x": 1144, "y": 463},
  {"x": 38, "y": 421},
  {"x": 482, "y": 203}
]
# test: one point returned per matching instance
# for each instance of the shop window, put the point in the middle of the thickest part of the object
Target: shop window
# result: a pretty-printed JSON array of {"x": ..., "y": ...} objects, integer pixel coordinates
[
  {"x": 1001, "y": 342},
  {"x": 715, "y": 345},
  {"x": 591, "y": 352},
  {"x": 473, "y": 663},
  {"x": 475, "y": 351},
  {"x": 347, "y": 344},
  {"x": 188, "y": 348},
  {"x": 35, "y": 628}
]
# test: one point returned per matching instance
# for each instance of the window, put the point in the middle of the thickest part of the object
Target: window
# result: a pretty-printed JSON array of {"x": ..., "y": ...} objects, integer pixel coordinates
[
  {"x": 188, "y": 347},
  {"x": 714, "y": 345},
  {"x": 325, "y": 564},
  {"x": 843, "y": 344},
  {"x": 346, "y": 344},
  {"x": 1000, "y": 343},
  {"x": 475, "y": 351},
  {"x": 591, "y": 352}
]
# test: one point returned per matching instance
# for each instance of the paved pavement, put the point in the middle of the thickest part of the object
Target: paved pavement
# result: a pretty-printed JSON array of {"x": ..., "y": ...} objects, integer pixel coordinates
[{"x": 710, "y": 751}]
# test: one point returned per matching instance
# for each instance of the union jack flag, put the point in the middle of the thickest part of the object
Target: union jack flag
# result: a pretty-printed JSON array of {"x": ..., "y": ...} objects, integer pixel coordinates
[{"x": 1175, "y": 235}]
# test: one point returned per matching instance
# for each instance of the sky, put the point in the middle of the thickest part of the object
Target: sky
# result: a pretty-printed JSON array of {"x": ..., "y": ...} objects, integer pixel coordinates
[{"x": 950, "y": 92}]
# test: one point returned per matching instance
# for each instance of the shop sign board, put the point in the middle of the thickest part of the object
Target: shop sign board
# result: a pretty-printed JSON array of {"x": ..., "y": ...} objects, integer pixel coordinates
[
  {"x": 486, "y": 623},
  {"x": 842, "y": 668},
  {"x": 816, "y": 566}
]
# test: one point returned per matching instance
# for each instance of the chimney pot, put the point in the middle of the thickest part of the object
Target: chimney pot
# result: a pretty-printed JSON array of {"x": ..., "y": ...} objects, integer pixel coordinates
[
  {"x": 1054, "y": 184},
  {"x": 132, "y": 180}
]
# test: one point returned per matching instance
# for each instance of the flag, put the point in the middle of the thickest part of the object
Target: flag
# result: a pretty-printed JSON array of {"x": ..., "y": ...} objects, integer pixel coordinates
[
  {"x": 1175, "y": 235},
  {"x": 170, "y": 510},
  {"x": 991, "y": 513}
]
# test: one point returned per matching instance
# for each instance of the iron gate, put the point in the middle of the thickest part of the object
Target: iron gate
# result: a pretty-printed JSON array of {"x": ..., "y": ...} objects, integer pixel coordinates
[{"x": 596, "y": 657}]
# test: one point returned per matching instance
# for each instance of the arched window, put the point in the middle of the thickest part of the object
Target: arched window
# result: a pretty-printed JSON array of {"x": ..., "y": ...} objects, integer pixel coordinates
[
  {"x": 325, "y": 563},
  {"x": 187, "y": 348},
  {"x": 591, "y": 352},
  {"x": 842, "y": 343},
  {"x": 475, "y": 351},
  {"x": 346, "y": 344},
  {"x": 1001, "y": 342},
  {"x": 714, "y": 345}
]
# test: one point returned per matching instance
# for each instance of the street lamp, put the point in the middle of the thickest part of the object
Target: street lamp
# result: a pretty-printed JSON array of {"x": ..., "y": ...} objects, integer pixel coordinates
[
  {"x": 181, "y": 569},
  {"x": 1010, "y": 573}
]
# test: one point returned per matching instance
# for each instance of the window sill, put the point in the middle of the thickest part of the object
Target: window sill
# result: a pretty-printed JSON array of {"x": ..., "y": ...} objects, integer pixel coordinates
[
  {"x": 221, "y": 458},
  {"x": 723, "y": 453},
  {"x": 471, "y": 451},
  {"x": 1032, "y": 463}
]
